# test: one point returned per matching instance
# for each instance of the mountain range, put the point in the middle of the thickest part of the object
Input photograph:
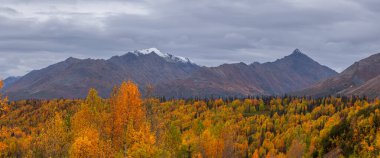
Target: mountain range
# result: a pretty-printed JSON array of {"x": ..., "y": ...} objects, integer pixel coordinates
[
  {"x": 175, "y": 76},
  {"x": 171, "y": 75}
]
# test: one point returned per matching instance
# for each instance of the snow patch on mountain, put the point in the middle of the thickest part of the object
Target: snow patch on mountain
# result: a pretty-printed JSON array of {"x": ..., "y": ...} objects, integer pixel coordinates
[
  {"x": 152, "y": 50},
  {"x": 167, "y": 56}
]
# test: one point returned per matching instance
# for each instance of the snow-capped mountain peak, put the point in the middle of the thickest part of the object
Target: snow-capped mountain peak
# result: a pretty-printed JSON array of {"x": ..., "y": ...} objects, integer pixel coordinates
[{"x": 166, "y": 56}]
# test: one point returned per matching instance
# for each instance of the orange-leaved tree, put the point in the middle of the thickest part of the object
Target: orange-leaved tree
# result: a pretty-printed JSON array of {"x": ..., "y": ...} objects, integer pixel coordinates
[{"x": 127, "y": 112}]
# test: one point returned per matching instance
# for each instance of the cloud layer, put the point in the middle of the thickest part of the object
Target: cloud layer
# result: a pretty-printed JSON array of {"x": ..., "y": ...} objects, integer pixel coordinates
[{"x": 35, "y": 34}]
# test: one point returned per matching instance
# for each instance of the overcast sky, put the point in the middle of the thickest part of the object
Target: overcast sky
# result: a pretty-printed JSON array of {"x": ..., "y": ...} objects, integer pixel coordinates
[{"x": 35, "y": 34}]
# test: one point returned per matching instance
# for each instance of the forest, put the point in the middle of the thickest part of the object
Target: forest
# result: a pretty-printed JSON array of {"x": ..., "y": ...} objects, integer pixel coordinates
[{"x": 129, "y": 125}]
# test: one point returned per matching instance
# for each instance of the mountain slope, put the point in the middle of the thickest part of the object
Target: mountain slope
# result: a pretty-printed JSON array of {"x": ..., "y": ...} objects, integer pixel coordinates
[
  {"x": 73, "y": 77},
  {"x": 371, "y": 88},
  {"x": 352, "y": 81},
  {"x": 290, "y": 73}
]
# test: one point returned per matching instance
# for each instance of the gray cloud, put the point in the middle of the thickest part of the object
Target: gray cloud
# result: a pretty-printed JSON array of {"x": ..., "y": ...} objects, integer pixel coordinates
[{"x": 34, "y": 34}]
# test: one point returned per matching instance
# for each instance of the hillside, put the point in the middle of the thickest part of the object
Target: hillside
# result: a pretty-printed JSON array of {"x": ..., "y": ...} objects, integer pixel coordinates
[
  {"x": 358, "y": 79},
  {"x": 371, "y": 88}
]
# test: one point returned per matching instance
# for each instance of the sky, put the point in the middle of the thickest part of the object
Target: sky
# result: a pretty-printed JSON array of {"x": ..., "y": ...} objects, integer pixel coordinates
[{"x": 38, "y": 33}]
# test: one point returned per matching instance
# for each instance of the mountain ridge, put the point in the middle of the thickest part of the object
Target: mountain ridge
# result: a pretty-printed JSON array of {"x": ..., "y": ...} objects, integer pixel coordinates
[
  {"x": 78, "y": 75},
  {"x": 270, "y": 78},
  {"x": 173, "y": 76}
]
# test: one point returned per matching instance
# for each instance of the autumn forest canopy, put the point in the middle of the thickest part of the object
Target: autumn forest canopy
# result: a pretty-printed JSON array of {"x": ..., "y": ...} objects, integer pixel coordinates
[{"x": 127, "y": 125}]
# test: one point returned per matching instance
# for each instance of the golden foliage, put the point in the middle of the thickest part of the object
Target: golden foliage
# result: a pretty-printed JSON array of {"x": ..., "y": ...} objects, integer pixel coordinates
[
  {"x": 125, "y": 125},
  {"x": 54, "y": 140},
  {"x": 142, "y": 143},
  {"x": 127, "y": 109},
  {"x": 85, "y": 146}
]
